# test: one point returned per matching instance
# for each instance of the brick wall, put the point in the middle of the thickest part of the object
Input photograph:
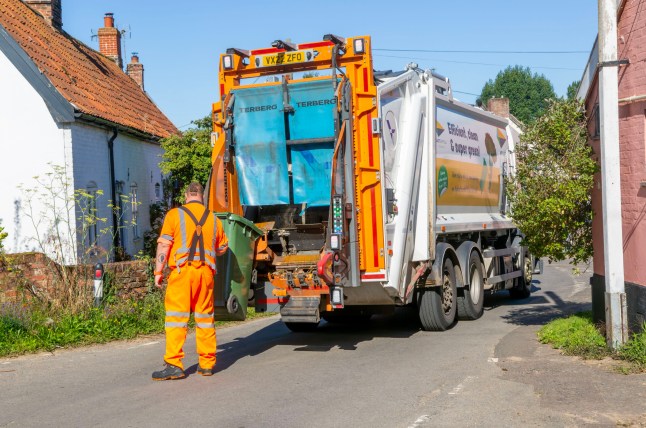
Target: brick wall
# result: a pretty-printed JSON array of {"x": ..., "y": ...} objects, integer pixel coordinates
[
  {"x": 631, "y": 34},
  {"x": 33, "y": 274}
]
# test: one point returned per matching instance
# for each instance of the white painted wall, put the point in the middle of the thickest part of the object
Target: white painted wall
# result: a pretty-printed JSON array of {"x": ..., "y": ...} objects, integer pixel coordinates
[
  {"x": 136, "y": 162},
  {"x": 30, "y": 140}
]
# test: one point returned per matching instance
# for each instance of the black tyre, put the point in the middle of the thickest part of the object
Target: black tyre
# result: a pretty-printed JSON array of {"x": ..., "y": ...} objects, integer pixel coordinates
[
  {"x": 437, "y": 306},
  {"x": 471, "y": 299},
  {"x": 523, "y": 284},
  {"x": 301, "y": 327}
]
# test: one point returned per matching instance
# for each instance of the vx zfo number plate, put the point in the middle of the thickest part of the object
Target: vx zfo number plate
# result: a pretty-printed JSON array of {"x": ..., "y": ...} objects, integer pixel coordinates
[{"x": 284, "y": 58}]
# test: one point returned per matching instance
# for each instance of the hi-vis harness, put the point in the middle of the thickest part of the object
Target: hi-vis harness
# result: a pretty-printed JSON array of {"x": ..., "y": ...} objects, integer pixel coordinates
[{"x": 188, "y": 254}]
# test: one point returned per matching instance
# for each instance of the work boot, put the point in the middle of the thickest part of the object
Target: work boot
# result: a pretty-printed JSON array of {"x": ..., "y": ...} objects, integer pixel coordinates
[
  {"x": 205, "y": 372},
  {"x": 170, "y": 372}
]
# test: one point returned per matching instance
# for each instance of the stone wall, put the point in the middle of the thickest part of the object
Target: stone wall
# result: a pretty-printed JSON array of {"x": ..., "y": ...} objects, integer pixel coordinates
[{"x": 30, "y": 275}]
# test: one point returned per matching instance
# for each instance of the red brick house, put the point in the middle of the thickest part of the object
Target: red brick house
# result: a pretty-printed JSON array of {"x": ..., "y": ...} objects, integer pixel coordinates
[{"x": 631, "y": 35}]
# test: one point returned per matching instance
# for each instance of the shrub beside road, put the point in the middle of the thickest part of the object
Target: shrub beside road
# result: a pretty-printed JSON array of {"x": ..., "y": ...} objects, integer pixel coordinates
[
  {"x": 32, "y": 328},
  {"x": 578, "y": 335}
]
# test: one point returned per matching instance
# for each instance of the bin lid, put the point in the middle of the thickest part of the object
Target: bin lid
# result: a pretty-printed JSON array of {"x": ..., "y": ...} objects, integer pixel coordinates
[{"x": 241, "y": 222}]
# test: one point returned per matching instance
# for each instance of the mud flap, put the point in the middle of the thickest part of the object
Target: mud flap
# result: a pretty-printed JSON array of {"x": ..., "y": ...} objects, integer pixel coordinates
[{"x": 301, "y": 310}]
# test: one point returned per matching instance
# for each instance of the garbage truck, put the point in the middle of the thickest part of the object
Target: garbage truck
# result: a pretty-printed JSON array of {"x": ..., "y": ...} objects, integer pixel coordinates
[{"x": 369, "y": 190}]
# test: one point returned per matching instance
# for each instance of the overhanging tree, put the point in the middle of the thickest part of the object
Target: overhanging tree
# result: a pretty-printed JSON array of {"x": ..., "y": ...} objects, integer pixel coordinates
[
  {"x": 550, "y": 190},
  {"x": 528, "y": 93},
  {"x": 572, "y": 89},
  {"x": 187, "y": 157}
]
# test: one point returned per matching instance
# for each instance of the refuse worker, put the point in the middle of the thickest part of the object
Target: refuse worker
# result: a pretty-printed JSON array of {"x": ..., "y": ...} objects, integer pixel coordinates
[{"x": 190, "y": 239}]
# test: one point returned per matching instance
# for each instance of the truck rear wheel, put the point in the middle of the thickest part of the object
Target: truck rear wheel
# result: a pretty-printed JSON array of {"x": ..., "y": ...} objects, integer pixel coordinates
[
  {"x": 437, "y": 305},
  {"x": 301, "y": 327},
  {"x": 523, "y": 284},
  {"x": 471, "y": 300}
]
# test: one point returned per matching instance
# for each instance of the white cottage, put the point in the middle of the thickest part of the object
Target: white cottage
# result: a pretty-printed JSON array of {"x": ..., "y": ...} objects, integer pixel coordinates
[{"x": 69, "y": 108}]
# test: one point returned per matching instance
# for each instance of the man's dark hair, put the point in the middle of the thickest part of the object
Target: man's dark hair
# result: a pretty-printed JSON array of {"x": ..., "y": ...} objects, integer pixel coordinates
[{"x": 195, "y": 189}]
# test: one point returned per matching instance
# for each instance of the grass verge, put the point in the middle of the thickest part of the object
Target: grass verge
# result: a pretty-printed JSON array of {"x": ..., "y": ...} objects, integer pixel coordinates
[
  {"x": 578, "y": 335},
  {"x": 27, "y": 329}
]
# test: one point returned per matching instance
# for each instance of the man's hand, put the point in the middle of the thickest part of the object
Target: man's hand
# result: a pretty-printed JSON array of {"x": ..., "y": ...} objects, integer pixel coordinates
[{"x": 158, "y": 280}]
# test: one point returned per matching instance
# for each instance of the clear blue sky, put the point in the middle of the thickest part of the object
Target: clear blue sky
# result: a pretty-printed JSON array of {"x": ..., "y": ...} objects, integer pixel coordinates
[{"x": 179, "y": 43}]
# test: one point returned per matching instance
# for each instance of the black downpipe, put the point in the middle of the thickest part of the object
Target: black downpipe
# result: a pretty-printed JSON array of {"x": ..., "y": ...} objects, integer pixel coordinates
[{"x": 113, "y": 192}]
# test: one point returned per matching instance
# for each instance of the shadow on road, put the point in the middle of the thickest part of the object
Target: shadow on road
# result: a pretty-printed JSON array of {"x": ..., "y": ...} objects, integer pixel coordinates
[
  {"x": 402, "y": 324},
  {"x": 535, "y": 310}
]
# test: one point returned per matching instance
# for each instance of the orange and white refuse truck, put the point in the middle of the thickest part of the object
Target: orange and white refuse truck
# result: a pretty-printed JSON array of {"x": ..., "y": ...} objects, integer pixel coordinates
[{"x": 372, "y": 190}]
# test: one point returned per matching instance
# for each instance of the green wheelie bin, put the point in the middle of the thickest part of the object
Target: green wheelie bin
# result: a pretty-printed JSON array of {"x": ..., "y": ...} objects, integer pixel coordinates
[{"x": 233, "y": 277}]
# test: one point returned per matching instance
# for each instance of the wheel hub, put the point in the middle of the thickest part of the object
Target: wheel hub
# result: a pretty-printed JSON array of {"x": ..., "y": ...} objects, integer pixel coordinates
[{"x": 447, "y": 295}]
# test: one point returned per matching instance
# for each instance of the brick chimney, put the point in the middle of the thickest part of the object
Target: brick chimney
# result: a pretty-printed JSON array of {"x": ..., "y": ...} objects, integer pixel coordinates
[
  {"x": 499, "y": 106},
  {"x": 136, "y": 70},
  {"x": 48, "y": 9},
  {"x": 110, "y": 40}
]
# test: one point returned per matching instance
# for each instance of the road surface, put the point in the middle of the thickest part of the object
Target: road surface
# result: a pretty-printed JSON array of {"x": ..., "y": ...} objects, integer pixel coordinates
[{"x": 489, "y": 372}]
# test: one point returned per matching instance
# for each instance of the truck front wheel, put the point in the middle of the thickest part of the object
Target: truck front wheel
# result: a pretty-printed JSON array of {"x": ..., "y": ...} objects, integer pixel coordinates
[{"x": 437, "y": 306}]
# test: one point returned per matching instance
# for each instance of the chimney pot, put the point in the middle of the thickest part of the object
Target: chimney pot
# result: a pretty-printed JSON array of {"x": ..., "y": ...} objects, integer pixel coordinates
[{"x": 108, "y": 20}]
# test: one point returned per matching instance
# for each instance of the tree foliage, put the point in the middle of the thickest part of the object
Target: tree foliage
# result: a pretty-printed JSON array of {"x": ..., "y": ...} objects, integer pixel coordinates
[
  {"x": 528, "y": 93},
  {"x": 187, "y": 157},
  {"x": 571, "y": 90},
  {"x": 550, "y": 190}
]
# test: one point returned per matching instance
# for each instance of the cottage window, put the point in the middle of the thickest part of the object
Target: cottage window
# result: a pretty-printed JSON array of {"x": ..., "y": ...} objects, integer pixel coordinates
[
  {"x": 120, "y": 211},
  {"x": 596, "y": 123},
  {"x": 134, "y": 209},
  {"x": 90, "y": 214}
]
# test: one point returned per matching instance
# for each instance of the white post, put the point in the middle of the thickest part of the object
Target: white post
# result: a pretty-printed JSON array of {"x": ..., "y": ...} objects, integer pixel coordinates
[{"x": 616, "y": 331}]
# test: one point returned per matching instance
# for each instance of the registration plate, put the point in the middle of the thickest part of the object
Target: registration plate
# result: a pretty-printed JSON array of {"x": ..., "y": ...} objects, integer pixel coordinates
[{"x": 284, "y": 58}]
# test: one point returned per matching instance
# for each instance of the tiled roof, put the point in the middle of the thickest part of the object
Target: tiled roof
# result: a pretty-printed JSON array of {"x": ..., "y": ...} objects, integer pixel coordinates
[{"x": 94, "y": 84}]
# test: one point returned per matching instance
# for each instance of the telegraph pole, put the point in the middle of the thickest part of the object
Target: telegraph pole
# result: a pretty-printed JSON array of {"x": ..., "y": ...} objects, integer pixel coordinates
[{"x": 616, "y": 330}]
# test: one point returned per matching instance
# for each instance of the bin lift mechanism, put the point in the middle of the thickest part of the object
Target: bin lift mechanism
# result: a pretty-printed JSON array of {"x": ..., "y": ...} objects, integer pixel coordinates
[{"x": 357, "y": 231}]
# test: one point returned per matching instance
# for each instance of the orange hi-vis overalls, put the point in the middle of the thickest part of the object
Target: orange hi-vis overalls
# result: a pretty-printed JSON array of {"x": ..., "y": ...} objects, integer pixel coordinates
[{"x": 195, "y": 236}]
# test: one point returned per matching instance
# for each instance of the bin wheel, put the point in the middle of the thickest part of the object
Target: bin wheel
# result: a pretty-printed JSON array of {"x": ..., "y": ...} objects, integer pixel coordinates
[{"x": 232, "y": 305}]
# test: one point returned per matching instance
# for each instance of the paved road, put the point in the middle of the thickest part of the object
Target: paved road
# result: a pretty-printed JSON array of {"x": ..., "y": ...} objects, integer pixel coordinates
[{"x": 489, "y": 372}]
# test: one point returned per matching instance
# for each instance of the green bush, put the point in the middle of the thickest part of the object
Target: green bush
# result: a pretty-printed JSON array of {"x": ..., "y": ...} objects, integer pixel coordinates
[
  {"x": 24, "y": 330},
  {"x": 635, "y": 349},
  {"x": 575, "y": 335}
]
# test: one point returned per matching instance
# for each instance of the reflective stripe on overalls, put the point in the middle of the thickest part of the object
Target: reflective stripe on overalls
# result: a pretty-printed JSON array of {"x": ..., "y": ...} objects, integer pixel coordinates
[{"x": 187, "y": 253}]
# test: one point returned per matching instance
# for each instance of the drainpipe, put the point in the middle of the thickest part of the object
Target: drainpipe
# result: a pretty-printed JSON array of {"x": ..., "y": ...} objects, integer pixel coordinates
[{"x": 113, "y": 193}]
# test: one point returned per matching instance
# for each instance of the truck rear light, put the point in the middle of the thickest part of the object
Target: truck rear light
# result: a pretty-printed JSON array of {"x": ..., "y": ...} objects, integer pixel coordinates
[
  {"x": 335, "y": 242},
  {"x": 359, "y": 46},
  {"x": 337, "y": 297},
  {"x": 227, "y": 62}
]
